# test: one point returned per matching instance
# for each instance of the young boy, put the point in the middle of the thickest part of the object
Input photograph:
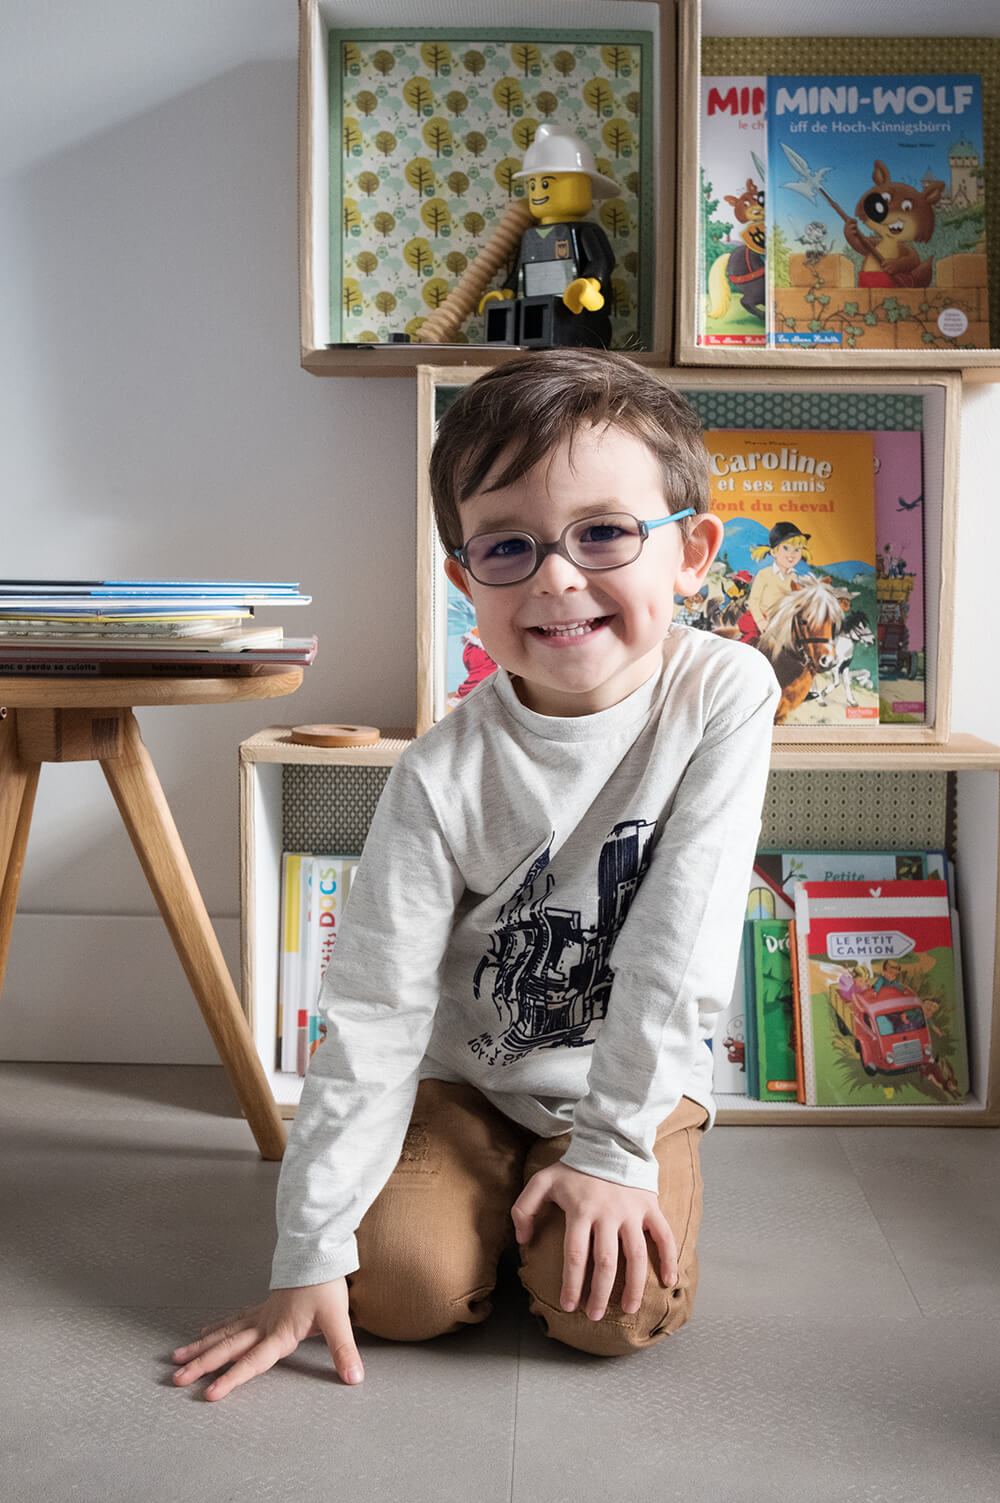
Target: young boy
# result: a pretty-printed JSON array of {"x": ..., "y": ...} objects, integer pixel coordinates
[{"x": 546, "y": 922}]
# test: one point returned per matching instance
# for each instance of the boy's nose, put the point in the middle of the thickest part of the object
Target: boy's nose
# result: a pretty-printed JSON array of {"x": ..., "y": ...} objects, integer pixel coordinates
[{"x": 556, "y": 573}]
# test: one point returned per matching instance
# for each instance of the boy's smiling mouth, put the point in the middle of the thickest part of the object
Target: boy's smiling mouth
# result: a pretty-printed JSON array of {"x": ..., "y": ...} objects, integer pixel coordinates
[{"x": 562, "y": 629}]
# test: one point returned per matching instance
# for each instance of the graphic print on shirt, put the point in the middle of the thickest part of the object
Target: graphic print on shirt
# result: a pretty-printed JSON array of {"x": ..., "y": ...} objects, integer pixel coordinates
[{"x": 548, "y": 976}]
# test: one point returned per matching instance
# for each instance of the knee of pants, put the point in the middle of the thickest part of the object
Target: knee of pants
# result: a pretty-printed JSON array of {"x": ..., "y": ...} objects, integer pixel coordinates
[
  {"x": 416, "y": 1302},
  {"x": 662, "y": 1312}
]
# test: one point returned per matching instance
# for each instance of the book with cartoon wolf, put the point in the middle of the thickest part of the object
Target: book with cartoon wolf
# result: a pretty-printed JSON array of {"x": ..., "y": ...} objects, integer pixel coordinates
[
  {"x": 876, "y": 213},
  {"x": 795, "y": 575},
  {"x": 731, "y": 264}
]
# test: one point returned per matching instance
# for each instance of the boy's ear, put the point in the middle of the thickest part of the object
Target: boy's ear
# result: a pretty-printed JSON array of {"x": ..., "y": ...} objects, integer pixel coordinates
[
  {"x": 457, "y": 575},
  {"x": 702, "y": 543}
]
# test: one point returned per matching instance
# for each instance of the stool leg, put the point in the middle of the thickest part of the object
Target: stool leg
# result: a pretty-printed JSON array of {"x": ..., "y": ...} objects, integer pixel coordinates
[
  {"x": 18, "y": 781},
  {"x": 146, "y": 814}
]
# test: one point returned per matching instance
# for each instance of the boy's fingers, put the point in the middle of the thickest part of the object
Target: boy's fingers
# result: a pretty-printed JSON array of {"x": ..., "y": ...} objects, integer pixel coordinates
[
  {"x": 339, "y": 1337},
  {"x": 605, "y": 1266},
  {"x": 523, "y": 1211},
  {"x": 257, "y": 1360},
  {"x": 666, "y": 1247},
  {"x": 211, "y": 1334},
  {"x": 215, "y": 1355},
  {"x": 576, "y": 1255},
  {"x": 636, "y": 1269}
]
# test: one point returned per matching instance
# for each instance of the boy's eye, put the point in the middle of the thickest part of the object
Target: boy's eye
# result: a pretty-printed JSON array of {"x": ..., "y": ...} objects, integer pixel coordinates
[
  {"x": 601, "y": 532},
  {"x": 510, "y": 547}
]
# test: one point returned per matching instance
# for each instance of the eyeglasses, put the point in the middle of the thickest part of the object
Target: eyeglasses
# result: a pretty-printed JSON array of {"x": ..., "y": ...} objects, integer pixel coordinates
[{"x": 608, "y": 541}]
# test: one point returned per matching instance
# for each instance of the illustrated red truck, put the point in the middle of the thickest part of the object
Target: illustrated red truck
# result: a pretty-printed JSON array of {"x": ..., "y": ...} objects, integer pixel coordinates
[{"x": 888, "y": 1025}]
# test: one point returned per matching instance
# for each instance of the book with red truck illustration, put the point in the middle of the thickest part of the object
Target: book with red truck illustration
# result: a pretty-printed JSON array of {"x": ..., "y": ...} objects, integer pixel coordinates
[{"x": 879, "y": 998}]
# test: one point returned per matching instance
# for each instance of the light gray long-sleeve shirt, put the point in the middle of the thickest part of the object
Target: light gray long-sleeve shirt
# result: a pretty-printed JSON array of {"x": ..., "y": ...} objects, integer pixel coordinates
[{"x": 549, "y": 909}]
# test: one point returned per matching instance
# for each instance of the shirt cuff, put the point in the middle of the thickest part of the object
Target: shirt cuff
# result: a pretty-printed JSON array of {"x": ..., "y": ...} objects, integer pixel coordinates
[{"x": 290, "y": 1272}]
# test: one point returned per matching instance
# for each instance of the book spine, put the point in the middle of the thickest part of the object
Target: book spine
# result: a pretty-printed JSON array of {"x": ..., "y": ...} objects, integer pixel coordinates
[
  {"x": 800, "y": 1080},
  {"x": 807, "y": 1073},
  {"x": 288, "y": 984}
]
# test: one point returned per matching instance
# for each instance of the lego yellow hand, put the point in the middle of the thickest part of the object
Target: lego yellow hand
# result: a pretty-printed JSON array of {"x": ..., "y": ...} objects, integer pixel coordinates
[
  {"x": 498, "y": 295},
  {"x": 585, "y": 292}
]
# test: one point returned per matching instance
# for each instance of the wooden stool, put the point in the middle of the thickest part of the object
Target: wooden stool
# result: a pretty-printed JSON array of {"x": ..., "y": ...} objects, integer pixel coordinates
[{"x": 74, "y": 720}]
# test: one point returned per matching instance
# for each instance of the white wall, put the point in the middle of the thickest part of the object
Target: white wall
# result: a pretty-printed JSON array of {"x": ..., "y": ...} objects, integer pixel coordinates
[{"x": 156, "y": 422}]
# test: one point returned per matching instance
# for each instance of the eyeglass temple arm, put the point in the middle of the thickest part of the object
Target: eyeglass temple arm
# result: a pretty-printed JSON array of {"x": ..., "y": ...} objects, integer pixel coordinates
[{"x": 674, "y": 516}]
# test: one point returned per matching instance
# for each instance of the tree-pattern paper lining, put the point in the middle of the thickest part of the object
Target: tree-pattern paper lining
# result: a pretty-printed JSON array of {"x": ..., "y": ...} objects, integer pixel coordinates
[{"x": 427, "y": 131}]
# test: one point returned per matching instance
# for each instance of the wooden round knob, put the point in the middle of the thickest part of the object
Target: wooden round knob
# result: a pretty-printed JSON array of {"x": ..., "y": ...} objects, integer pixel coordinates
[{"x": 335, "y": 735}]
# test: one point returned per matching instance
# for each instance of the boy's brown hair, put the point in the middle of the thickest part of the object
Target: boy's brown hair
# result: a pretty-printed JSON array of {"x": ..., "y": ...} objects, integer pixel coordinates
[{"x": 524, "y": 408}]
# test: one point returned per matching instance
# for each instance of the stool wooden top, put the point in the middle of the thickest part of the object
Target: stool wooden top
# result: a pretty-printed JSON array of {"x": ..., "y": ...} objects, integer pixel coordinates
[{"x": 43, "y": 692}]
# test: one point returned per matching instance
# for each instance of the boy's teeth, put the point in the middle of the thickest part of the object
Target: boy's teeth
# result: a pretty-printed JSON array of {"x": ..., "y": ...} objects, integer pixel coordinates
[{"x": 575, "y": 629}]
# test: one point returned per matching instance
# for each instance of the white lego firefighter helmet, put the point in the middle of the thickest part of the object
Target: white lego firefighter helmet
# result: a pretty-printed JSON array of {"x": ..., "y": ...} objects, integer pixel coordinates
[{"x": 554, "y": 151}]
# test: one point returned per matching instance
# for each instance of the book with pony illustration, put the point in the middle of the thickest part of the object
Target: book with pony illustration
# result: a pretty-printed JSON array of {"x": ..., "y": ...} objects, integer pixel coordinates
[{"x": 795, "y": 575}]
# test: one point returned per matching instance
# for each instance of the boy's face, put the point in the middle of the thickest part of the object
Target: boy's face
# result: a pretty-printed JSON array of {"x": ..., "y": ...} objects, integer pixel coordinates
[{"x": 577, "y": 642}]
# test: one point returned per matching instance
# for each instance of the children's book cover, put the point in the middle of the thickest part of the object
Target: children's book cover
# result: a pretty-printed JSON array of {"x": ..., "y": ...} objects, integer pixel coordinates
[
  {"x": 899, "y": 570},
  {"x": 776, "y": 873},
  {"x": 774, "y": 1011},
  {"x": 467, "y": 662},
  {"x": 795, "y": 575},
  {"x": 879, "y": 997},
  {"x": 733, "y": 1046},
  {"x": 731, "y": 267},
  {"x": 291, "y": 969},
  {"x": 750, "y": 1011},
  {"x": 328, "y": 882},
  {"x": 876, "y": 229}
]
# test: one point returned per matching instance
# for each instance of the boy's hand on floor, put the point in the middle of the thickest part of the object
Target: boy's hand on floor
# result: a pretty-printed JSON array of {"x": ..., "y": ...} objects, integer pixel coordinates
[
  {"x": 258, "y": 1338},
  {"x": 601, "y": 1217}
]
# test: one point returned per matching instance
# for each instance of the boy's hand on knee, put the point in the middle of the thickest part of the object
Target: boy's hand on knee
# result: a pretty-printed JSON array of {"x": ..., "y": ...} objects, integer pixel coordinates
[
  {"x": 260, "y": 1337},
  {"x": 602, "y": 1219}
]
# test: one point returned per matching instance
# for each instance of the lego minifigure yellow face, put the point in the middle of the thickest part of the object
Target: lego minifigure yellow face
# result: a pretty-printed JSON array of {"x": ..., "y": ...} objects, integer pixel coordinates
[{"x": 557, "y": 196}]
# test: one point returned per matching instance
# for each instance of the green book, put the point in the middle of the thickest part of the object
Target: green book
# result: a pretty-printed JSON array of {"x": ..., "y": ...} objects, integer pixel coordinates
[{"x": 774, "y": 1011}]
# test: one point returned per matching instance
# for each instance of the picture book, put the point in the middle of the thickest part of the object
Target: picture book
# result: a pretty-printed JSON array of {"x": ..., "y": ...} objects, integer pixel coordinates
[
  {"x": 734, "y": 1049},
  {"x": 466, "y": 661},
  {"x": 776, "y": 873},
  {"x": 876, "y": 228},
  {"x": 879, "y": 995},
  {"x": 291, "y": 962},
  {"x": 751, "y": 1057},
  {"x": 314, "y": 891},
  {"x": 795, "y": 575},
  {"x": 899, "y": 571},
  {"x": 731, "y": 279},
  {"x": 774, "y": 1011}
]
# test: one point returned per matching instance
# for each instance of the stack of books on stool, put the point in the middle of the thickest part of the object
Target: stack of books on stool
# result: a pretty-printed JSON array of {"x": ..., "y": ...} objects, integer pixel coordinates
[{"x": 134, "y": 628}]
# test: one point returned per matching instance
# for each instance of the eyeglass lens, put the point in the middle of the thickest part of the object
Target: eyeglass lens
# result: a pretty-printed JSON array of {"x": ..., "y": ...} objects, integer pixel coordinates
[{"x": 605, "y": 542}]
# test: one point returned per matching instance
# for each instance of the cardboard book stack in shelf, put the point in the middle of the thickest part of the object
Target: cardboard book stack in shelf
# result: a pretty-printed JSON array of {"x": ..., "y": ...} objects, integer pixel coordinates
[{"x": 137, "y": 628}]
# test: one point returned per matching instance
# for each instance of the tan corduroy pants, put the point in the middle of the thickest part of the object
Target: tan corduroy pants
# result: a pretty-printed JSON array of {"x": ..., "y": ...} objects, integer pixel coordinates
[{"x": 430, "y": 1244}]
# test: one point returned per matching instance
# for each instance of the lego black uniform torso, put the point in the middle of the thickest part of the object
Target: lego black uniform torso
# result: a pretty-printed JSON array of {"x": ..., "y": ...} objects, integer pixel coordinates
[{"x": 551, "y": 257}]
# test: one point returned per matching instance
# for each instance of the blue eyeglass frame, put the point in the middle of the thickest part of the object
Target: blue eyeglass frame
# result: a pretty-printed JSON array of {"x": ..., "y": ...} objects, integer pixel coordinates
[{"x": 542, "y": 550}]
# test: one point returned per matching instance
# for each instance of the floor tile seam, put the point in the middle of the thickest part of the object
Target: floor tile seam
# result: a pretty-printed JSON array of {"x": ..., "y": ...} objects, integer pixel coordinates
[
  {"x": 518, "y": 1359},
  {"x": 879, "y": 1223}
]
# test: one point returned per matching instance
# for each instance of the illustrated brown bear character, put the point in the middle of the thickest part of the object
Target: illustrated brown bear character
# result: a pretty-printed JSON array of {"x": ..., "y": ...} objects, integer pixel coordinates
[
  {"x": 743, "y": 269},
  {"x": 900, "y": 215}
]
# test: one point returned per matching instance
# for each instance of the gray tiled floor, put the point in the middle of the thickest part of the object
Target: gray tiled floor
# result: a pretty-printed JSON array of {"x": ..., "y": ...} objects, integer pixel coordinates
[{"x": 845, "y": 1348}]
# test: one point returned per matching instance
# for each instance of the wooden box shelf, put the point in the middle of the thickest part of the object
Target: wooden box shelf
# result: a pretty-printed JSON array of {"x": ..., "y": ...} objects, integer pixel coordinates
[
  {"x": 971, "y": 766},
  {"x": 938, "y": 398},
  {"x": 320, "y": 280},
  {"x": 810, "y": 36}
]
